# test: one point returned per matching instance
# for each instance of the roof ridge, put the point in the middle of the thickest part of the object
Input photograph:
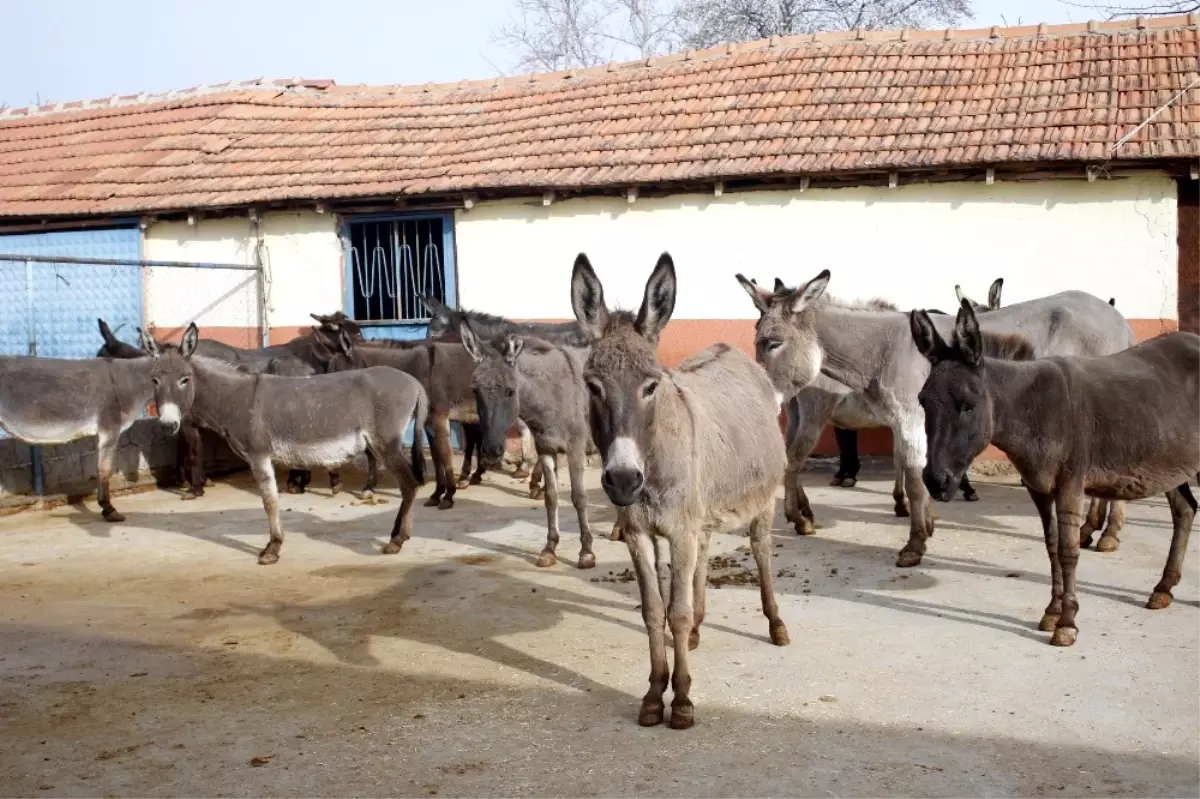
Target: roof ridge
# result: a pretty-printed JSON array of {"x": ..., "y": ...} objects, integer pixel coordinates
[
  {"x": 1043, "y": 29},
  {"x": 144, "y": 98},
  {"x": 732, "y": 48}
]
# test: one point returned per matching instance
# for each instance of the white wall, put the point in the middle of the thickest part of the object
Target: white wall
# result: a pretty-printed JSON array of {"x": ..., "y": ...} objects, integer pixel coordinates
[
  {"x": 303, "y": 260},
  {"x": 910, "y": 245}
]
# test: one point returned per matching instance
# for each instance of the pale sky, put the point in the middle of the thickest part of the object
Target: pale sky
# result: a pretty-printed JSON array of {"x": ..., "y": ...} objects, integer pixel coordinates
[{"x": 56, "y": 50}]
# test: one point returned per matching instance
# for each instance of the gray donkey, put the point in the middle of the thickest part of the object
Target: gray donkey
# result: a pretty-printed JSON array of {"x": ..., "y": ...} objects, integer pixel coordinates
[
  {"x": 541, "y": 382},
  {"x": 802, "y": 334},
  {"x": 323, "y": 420},
  {"x": 58, "y": 400},
  {"x": 686, "y": 452},
  {"x": 1120, "y": 427}
]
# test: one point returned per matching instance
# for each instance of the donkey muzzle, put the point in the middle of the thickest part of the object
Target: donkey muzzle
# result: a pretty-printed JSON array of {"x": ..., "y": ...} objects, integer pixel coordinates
[
  {"x": 622, "y": 485},
  {"x": 940, "y": 482},
  {"x": 170, "y": 417}
]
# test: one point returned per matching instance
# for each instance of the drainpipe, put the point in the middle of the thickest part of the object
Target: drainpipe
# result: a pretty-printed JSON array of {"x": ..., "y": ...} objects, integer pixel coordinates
[
  {"x": 35, "y": 453},
  {"x": 260, "y": 261}
]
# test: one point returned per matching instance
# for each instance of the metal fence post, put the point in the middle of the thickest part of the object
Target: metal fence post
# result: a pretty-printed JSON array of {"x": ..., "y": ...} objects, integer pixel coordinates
[{"x": 35, "y": 453}]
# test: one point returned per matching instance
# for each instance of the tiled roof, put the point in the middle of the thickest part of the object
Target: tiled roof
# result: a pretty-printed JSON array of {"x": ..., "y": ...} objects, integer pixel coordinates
[{"x": 819, "y": 105}]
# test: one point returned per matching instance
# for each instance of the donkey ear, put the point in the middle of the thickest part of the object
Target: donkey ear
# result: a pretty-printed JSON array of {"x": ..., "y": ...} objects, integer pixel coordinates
[
  {"x": 148, "y": 343},
  {"x": 658, "y": 303},
  {"x": 587, "y": 297},
  {"x": 320, "y": 346},
  {"x": 758, "y": 295},
  {"x": 967, "y": 337},
  {"x": 435, "y": 307},
  {"x": 779, "y": 286},
  {"x": 470, "y": 341},
  {"x": 806, "y": 295},
  {"x": 191, "y": 337},
  {"x": 994, "y": 294},
  {"x": 344, "y": 343},
  {"x": 512, "y": 348},
  {"x": 107, "y": 334},
  {"x": 925, "y": 336}
]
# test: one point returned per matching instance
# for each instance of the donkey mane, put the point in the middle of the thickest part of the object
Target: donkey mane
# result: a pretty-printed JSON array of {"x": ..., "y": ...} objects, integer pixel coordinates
[{"x": 1008, "y": 346}]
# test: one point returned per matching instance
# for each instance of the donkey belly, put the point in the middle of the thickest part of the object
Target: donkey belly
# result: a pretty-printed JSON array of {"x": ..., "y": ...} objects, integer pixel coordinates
[
  {"x": 323, "y": 452},
  {"x": 30, "y": 426}
]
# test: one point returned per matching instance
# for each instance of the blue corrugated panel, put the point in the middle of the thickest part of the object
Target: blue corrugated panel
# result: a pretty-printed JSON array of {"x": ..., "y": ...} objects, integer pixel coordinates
[{"x": 68, "y": 298}]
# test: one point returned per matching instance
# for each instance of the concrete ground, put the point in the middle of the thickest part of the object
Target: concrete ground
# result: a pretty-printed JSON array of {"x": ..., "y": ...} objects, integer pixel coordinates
[{"x": 157, "y": 658}]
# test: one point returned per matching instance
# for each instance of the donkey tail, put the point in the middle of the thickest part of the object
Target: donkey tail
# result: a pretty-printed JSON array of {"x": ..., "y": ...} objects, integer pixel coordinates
[{"x": 420, "y": 414}]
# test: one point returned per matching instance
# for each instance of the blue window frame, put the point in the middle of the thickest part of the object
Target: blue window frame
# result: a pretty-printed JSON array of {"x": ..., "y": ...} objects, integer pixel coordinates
[{"x": 389, "y": 259}]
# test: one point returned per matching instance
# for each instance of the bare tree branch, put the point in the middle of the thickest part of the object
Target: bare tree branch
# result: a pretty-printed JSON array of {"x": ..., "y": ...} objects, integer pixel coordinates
[{"x": 1163, "y": 8}]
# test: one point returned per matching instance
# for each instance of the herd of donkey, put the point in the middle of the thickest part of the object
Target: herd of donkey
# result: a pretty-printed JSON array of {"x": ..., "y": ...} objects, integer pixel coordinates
[{"x": 1055, "y": 383}]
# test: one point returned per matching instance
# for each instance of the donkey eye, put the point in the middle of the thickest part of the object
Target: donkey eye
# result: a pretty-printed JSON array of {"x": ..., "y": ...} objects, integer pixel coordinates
[
  {"x": 649, "y": 389},
  {"x": 965, "y": 408},
  {"x": 155, "y": 380},
  {"x": 596, "y": 389},
  {"x": 772, "y": 344},
  {"x": 183, "y": 381},
  {"x": 510, "y": 393}
]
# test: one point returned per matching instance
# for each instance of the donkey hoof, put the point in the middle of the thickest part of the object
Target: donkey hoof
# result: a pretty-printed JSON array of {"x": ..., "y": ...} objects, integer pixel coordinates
[
  {"x": 1159, "y": 600},
  {"x": 617, "y": 533},
  {"x": 779, "y": 635},
  {"x": 850, "y": 482},
  {"x": 208, "y": 483},
  {"x": 1064, "y": 636},
  {"x": 971, "y": 496},
  {"x": 651, "y": 714},
  {"x": 587, "y": 560},
  {"x": 189, "y": 496},
  {"x": 520, "y": 474},
  {"x": 1085, "y": 542},
  {"x": 392, "y": 547},
  {"x": 907, "y": 558},
  {"x": 292, "y": 488},
  {"x": 837, "y": 480},
  {"x": 1049, "y": 622},
  {"x": 901, "y": 510},
  {"x": 805, "y": 526},
  {"x": 694, "y": 638},
  {"x": 475, "y": 480},
  {"x": 463, "y": 483},
  {"x": 1108, "y": 543},
  {"x": 446, "y": 504},
  {"x": 537, "y": 493},
  {"x": 546, "y": 559},
  {"x": 683, "y": 715},
  {"x": 433, "y": 502},
  {"x": 335, "y": 489},
  {"x": 113, "y": 516},
  {"x": 267, "y": 558}
]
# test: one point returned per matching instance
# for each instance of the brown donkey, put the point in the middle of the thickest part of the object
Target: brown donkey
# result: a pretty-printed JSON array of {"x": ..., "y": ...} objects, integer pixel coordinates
[
  {"x": 323, "y": 420},
  {"x": 1117, "y": 427},
  {"x": 686, "y": 452}
]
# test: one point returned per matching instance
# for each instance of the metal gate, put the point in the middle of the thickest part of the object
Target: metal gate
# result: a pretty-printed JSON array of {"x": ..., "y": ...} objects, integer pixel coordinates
[{"x": 51, "y": 297}]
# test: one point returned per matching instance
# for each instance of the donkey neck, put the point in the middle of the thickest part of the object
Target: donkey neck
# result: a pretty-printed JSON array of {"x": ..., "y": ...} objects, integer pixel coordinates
[
  {"x": 1016, "y": 400},
  {"x": 223, "y": 398},
  {"x": 132, "y": 378},
  {"x": 855, "y": 343}
]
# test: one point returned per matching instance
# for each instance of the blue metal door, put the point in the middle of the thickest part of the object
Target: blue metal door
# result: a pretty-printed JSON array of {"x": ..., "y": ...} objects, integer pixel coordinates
[
  {"x": 50, "y": 309},
  {"x": 389, "y": 261}
]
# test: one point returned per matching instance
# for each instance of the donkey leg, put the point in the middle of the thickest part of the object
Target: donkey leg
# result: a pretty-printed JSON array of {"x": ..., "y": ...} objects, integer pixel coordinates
[
  {"x": 760, "y": 545},
  {"x": 1068, "y": 507},
  {"x": 576, "y": 461},
  {"x": 191, "y": 445},
  {"x": 536, "y": 481},
  {"x": 298, "y": 480},
  {"x": 968, "y": 491},
  {"x": 477, "y": 476},
  {"x": 548, "y": 558},
  {"x": 1094, "y": 521},
  {"x": 700, "y": 589},
  {"x": 439, "y": 470},
  {"x": 641, "y": 551},
  {"x": 441, "y": 435},
  {"x": 264, "y": 475},
  {"x": 335, "y": 481},
  {"x": 1110, "y": 539},
  {"x": 106, "y": 456},
  {"x": 470, "y": 446},
  {"x": 528, "y": 454},
  {"x": 795, "y": 502},
  {"x": 898, "y": 487},
  {"x": 367, "y": 494},
  {"x": 685, "y": 551},
  {"x": 920, "y": 523},
  {"x": 845, "y": 439},
  {"x": 1183, "y": 513},
  {"x": 407, "y": 480},
  {"x": 1045, "y": 508}
]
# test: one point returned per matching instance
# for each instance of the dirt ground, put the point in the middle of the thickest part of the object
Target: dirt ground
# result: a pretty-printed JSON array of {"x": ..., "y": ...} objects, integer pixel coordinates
[{"x": 157, "y": 658}]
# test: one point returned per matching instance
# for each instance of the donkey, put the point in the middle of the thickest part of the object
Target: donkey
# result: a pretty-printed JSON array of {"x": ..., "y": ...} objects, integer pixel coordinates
[
  {"x": 686, "y": 452},
  {"x": 543, "y": 383},
  {"x": 801, "y": 334},
  {"x": 444, "y": 324},
  {"x": 847, "y": 437},
  {"x": 47, "y": 401},
  {"x": 1120, "y": 426},
  {"x": 189, "y": 453},
  {"x": 323, "y": 420}
]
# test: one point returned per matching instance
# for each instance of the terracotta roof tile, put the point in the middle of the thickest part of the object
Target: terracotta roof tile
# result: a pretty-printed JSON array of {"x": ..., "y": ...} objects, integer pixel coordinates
[{"x": 806, "y": 106}]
